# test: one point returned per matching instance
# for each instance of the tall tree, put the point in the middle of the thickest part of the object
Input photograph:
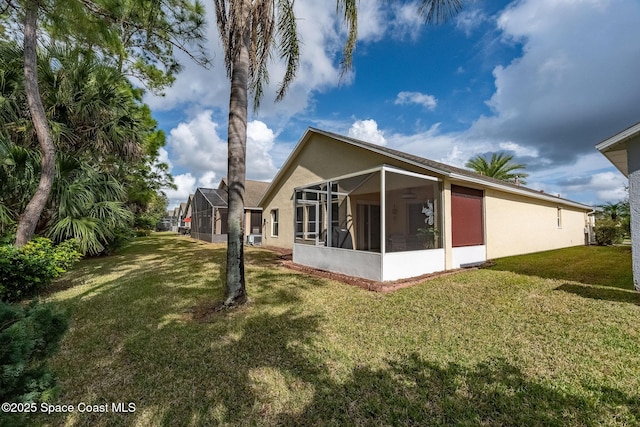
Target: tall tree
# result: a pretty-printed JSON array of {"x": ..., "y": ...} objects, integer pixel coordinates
[
  {"x": 500, "y": 166},
  {"x": 140, "y": 35},
  {"x": 106, "y": 143},
  {"x": 249, "y": 31}
]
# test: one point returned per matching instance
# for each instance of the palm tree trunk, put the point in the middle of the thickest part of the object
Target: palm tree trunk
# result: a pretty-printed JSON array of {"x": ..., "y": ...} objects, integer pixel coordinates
[
  {"x": 29, "y": 218},
  {"x": 237, "y": 147}
]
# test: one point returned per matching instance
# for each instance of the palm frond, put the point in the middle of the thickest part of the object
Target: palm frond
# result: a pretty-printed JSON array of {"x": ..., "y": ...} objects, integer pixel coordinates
[
  {"x": 500, "y": 166},
  {"x": 85, "y": 230},
  {"x": 439, "y": 11},
  {"x": 349, "y": 9},
  {"x": 289, "y": 45}
]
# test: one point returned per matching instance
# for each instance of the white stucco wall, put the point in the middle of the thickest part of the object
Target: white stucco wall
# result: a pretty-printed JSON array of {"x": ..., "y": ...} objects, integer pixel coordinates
[
  {"x": 402, "y": 265},
  {"x": 466, "y": 255},
  {"x": 346, "y": 261}
]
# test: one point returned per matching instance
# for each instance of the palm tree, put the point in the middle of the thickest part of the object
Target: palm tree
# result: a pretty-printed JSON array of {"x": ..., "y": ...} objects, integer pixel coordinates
[
  {"x": 249, "y": 30},
  {"x": 86, "y": 204},
  {"x": 499, "y": 167},
  {"x": 142, "y": 33},
  {"x": 102, "y": 134}
]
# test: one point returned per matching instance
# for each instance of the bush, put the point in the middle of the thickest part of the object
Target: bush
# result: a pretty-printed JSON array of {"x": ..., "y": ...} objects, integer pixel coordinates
[
  {"x": 608, "y": 232},
  {"x": 26, "y": 271},
  {"x": 28, "y": 336},
  {"x": 143, "y": 232},
  {"x": 121, "y": 235}
]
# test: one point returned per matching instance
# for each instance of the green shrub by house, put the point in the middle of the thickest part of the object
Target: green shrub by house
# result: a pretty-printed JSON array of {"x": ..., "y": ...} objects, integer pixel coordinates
[
  {"x": 27, "y": 270},
  {"x": 608, "y": 232}
]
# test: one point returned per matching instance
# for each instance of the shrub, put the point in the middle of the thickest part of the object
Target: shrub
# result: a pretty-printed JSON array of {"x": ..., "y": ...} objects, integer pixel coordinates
[
  {"x": 26, "y": 271},
  {"x": 143, "y": 232},
  {"x": 608, "y": 232},
  {"x": 28, "y": 336},
  {"x": 121, "y": 235}
]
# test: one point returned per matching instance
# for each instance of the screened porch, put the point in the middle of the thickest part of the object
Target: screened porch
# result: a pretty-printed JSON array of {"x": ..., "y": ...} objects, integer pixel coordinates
[{"x": 381, "y": 224}]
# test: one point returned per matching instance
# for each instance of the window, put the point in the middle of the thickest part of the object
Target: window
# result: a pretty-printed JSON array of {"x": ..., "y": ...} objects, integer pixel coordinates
[
  {"x": 559, "y": 217},
  {"x": 274, "y": 222}
]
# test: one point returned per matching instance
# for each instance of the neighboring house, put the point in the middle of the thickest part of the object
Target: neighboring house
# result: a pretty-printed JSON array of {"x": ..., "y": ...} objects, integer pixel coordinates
[
  {"x": 623, "y": 150},
  {"x": 165, "y": 222},
  {"x": 182, "y": 215},
  {"x": 209, "y": 215},
  {"x": 187, "y": 218},
  {"x": 175, "y": 219},
  {"x": 361, "y": 209},
  {"x": 209, "y": 211}
]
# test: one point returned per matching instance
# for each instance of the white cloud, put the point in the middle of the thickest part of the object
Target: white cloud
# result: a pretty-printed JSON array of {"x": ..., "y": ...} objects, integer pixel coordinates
[
  {"x": 260, "y": 140},
  {"x": 469, "y": 20},
  {"x": 428, "y": 101},
  {"x": 367, "y": 130},
  {"x": 163, "y": 157},
  {"x": 197, "y": 148},
  {"x": 576, "y": 81},
  {"x": 406, "y": 21},
  {"x": 209, "y": 180},
  {"x": 372, "y": 21},
  {"x": 186, "y": 184},
  {"x": 519, "y": 150}
]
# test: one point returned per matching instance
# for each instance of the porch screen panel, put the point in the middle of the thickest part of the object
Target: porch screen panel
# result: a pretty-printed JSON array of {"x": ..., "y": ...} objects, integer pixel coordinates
[
  {"x": 466, "y": 216},
  {"x": 413, "y": 213},
  {"x": 309, "y": 219},
  {"x": 201, "y": 218}
]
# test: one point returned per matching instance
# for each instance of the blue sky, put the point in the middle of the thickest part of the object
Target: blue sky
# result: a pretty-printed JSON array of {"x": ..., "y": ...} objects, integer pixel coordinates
[{"x": 544, "y": 80}]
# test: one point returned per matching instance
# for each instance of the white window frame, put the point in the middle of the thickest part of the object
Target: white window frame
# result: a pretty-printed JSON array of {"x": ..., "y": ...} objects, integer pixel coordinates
[
  {"x": 275, "y": 223},
  {"x": 559, "y": 217}
]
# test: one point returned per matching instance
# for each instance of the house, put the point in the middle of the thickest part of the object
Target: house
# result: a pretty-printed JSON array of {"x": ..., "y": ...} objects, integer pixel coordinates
[
  {"x": 253, "y": 191},
  {"x": 187, "y": 219},
  {"x": 209, "y": 212},
  {"x": 175, "y": 219},
  {"x": 165, "y": 223},
  {"x": 182, "y": 215},
  {"x": 623, "y": 150},
  {"x": 209, "y": 215},
  {"x": 361, "y": 209}
]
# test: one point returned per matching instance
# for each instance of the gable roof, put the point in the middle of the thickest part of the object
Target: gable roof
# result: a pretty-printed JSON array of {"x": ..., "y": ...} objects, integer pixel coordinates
[
  {"x": 253, "y": 191},
  {"x": 615, "y": 148},
  {"x": 428, "y": 165},
  {"x": 189, "y": 199},
  {"x": 182, "y": 209}
]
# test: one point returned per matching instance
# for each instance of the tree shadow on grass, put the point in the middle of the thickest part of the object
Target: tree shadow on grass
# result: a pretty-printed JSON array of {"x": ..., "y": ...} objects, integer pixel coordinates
[
  {"x": 416, "y": 392},
  {"x": 269, "y": 364},
  {"x": 601, "y": 293}
]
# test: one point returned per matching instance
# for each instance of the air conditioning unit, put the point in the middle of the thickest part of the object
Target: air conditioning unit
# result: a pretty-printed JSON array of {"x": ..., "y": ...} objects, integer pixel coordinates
[{"x": 254, "y": 239}]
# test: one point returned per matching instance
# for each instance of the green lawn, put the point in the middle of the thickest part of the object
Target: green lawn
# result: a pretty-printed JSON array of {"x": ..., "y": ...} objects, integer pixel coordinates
[{"x": 545, "y": 339}]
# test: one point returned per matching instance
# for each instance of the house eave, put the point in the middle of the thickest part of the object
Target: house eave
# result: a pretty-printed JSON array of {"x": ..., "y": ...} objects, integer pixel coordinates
[
  {"x": 522, "y": 192},
  {"x": 615, "y": 148}
]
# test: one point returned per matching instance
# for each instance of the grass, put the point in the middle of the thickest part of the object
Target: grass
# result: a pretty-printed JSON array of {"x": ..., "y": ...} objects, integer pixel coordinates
[{"x": 536, "y": 340}]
